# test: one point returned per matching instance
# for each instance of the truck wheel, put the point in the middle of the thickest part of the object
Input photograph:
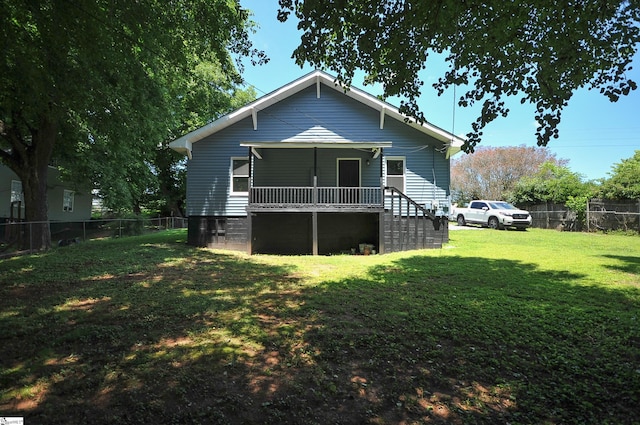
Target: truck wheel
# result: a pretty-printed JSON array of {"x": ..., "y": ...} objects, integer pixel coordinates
[
  {"x": 461, "y": 221},
  {"x": 494, "y": 223}
]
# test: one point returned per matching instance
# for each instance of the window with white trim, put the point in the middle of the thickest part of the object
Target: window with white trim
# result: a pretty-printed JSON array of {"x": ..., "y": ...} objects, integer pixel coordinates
[
  {"x": 67, "y": 200},
  {"x": 16, "y": 191},
  {"x": 240, "y": 175},
  {"x": 396, "y": 173}
]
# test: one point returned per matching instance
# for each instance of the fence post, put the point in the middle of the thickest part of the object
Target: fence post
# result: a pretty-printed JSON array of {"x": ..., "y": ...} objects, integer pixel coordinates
[
  {"x": 84, "y": 231},
  {"x": 120, "y": 228},
  {"x": 546, "y": 213},
  {"x": 588, "y": 218}
]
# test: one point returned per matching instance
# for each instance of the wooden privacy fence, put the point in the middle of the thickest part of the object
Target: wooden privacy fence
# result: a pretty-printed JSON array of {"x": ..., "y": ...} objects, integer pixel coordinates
[
  {"x": 613, "y": 215},
  {"x": 603, "y": 215},
  {"x": 554, "y": 216}
]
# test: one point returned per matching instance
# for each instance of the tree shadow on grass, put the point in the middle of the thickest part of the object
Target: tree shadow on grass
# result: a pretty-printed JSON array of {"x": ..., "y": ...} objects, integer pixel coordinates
[
  {"x": 627, "y": 264},
  {"x": 510, "y": 344},
  {"x": 194, "y": 336},
  {"x": 140, "y": 333}
]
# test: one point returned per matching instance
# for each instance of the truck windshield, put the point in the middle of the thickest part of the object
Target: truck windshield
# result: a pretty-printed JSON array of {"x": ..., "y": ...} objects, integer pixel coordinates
[{"x": 503, "y": 206}]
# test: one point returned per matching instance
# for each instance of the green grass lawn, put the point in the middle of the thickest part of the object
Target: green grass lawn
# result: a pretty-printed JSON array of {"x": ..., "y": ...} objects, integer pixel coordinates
[{"x": 536, "y": 327}]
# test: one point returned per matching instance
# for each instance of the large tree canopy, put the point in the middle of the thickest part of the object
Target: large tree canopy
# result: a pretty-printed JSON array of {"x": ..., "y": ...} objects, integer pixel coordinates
[
  {"x": 492, "y": 173},
  {"x": 103, "y": 76},
  {"x": 539, "y": 51},
  {"x": 552, "y": 182},
  {"x": 148, "y": 174},
  {"x": 624, "y": 180}
]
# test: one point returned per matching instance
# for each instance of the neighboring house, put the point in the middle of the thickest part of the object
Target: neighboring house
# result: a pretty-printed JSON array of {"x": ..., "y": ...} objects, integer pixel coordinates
[
  {"x": 313, "y": 169},
  {"x": 65, "y": 202}
]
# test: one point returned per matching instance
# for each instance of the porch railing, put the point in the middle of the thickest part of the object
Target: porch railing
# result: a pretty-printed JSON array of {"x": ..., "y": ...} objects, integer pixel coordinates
[{"x": 319, "y": 197}]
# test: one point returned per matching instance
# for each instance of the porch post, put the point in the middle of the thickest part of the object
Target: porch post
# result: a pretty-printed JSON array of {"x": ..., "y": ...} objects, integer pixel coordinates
[
  {"x": 250, "y": 155},
  {"x": 314, "y": 214},
  {"x": 314, "y": 226},
  {"x": 315, "y": 177},
  {"x": 315, "y": 162},
  {"x": 249, "y": 232},
  {"x": 249, "y": 216},
  {"x": 381, "y": 219}
]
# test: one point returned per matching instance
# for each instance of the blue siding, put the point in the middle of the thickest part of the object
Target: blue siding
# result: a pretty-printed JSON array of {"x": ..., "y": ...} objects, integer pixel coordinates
[
  {"x": 208, "y": 173},
  {"x": 427, "y": 169},
  {"x": 305, "y": 118}
]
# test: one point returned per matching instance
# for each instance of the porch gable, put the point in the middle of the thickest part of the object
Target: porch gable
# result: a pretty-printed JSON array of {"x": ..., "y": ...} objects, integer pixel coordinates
[{"x": 318, "y": 79}]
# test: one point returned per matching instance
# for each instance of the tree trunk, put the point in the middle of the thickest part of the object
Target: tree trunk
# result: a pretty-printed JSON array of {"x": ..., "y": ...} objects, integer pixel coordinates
[
  {"x": 30, "y": 161},
  {"x": 37, "y": 233},
  {"x": 168, "y": 183},
  {"x": 176, "y": 209}
]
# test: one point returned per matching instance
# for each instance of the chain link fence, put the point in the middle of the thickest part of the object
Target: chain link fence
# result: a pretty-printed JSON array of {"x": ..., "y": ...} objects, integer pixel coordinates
[{"x": 15, "y": 235}]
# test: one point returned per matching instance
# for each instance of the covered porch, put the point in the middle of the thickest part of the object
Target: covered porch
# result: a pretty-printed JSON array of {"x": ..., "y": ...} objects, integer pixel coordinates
[
  {"x": 324, "y": 188},
  {"x": 307, "y": 176}
]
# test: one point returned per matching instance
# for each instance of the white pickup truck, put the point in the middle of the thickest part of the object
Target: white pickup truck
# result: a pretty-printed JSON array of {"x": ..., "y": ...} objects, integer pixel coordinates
[{"x": 494, "y": 214}]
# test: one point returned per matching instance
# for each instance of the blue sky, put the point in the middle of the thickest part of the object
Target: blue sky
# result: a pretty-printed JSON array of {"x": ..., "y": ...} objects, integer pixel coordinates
[{"x": 595, "y": 134}]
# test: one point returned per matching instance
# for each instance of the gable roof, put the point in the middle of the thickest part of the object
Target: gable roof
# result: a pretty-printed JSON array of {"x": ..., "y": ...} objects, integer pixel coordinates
[{"x": 184, "y": 143}]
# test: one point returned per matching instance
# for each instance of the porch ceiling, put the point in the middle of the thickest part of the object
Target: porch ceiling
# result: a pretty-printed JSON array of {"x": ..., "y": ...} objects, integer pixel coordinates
[{"x": 326, "y": 144}]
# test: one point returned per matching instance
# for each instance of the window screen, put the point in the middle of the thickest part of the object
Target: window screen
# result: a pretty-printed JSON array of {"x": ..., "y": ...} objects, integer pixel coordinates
[
  {"x": 67, "y": 201},
  {"x": 395, "y": 173},
  {"x": 240, "y": 175},
  {"x": 16, "y": 191}
]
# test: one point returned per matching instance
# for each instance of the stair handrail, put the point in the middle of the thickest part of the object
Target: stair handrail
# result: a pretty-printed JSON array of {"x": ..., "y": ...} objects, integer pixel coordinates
[{"x": 429, "y": 214}]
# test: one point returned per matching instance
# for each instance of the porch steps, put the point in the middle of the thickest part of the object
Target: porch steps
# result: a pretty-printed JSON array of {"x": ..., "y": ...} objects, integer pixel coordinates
[
  {"x": 404, "y": 234},
  {"x": 408, "y": 225}
]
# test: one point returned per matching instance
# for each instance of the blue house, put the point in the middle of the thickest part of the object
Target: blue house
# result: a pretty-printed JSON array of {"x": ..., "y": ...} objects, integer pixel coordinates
[{"x": 313, "y": 169}]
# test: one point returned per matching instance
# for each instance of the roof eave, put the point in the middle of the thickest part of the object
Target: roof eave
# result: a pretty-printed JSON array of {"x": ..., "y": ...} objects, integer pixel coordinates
[
  {"x": 184, "y": 143},
  {"x": 244, "y": 112},
  {"x": 323, "y": 144},
  {"x": 454, "y": 143}
]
